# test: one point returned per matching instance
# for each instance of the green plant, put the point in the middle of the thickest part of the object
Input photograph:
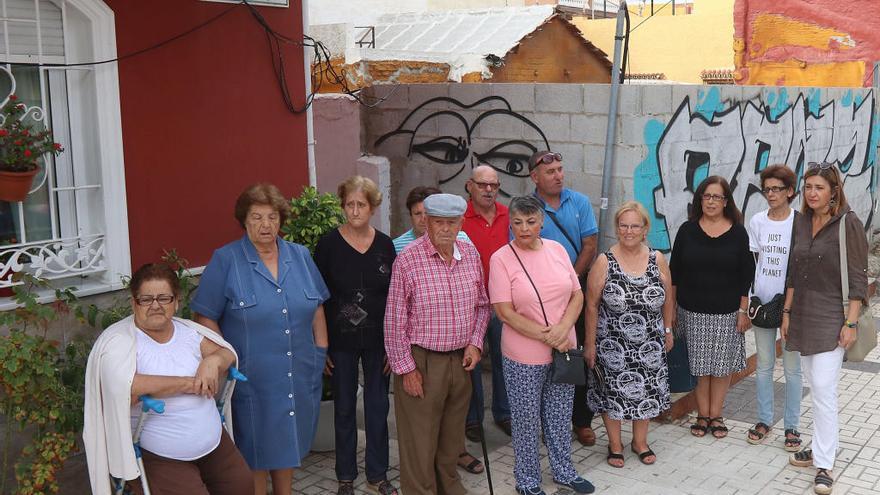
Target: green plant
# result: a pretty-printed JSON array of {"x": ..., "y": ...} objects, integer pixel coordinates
[
  {"x": 311, "y": 216},
  {"x": 21, "y": 146},
  {"x": 41, "y": 388}
]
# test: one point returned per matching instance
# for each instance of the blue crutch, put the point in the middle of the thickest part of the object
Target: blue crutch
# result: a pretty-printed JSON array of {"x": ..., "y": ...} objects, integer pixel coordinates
[
  {"x": 231, "y": 376},
  {"x": 148, "y": 404}
]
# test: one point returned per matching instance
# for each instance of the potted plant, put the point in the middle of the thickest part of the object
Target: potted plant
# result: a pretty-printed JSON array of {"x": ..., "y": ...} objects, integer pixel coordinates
[
  {"x": 21, "y": 148},
  {"x": 311, "y": 216}
]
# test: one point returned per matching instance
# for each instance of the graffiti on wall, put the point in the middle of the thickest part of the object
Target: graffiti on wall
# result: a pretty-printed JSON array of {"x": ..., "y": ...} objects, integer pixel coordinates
[
  {"x": 737, "y": 140},
  {"x": 453, "y": 145}
]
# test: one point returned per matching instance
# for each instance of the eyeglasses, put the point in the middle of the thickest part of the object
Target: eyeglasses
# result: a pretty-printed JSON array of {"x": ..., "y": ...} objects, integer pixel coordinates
[
  {"x": 547, "y": 158},
  {"x": 820, "y": 166},
  {"x": 162, "y": 299},
  {"x": 633, "y": 227},
  {"x": 774, "y": 189},
  {"x": 489, "y": 186},
  {"x": 713, "y": 197}
]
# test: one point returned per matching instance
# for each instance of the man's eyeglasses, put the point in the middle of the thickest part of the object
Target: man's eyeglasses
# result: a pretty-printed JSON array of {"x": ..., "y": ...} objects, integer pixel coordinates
[
  {"x": 820, "y": 166},
  {"x": 774, "y": 189},
  {"x": 162, "y": 299},
  {"x": 634, "y": 227},
  {"x": 713, "y": 197},
  {"x": 548, "y": 158},
  {"x": 489, "y": 186}
]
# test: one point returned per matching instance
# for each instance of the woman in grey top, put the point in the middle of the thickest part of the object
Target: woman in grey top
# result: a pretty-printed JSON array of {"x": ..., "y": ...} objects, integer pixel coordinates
[{"x": 813, "y": 321}]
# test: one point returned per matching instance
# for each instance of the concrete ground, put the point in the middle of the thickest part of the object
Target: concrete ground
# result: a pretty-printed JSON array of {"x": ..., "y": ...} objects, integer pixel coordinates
[{"x": 686, "y": 464}]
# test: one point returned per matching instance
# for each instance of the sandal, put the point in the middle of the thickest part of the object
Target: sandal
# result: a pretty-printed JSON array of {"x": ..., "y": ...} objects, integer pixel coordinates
[
  {"x": 793, "y": 442},
  {"x": 822, "y": 483},
  {"x": 719, "y": 428},
  {"x": 382, "y": 487},
  {"x": 644, "y": 455},
  {"x": 758, "y": 433},
  {"x": 699, "y": 430},
  {"x": 345, "y": 488},
  {"x": 802, "y": 458},
  {"x": 614, "y": 456},
  {"x": 473, "y": 467}
]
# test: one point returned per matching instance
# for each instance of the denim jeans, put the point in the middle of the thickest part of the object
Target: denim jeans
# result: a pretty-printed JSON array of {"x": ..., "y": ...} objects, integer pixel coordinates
[
  {"x": 765, "y": 342},
  {"x": 500, "y": 405}
]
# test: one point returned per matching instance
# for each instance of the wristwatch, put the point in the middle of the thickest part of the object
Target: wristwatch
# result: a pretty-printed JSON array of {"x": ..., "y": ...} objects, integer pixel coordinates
[
  {"x": 851, "y": 324},
  {"x": 667, "y": 331}
]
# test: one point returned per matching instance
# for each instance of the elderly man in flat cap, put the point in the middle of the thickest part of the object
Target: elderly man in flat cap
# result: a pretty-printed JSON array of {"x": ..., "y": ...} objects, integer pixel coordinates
[{"x": 435, "y": 320}]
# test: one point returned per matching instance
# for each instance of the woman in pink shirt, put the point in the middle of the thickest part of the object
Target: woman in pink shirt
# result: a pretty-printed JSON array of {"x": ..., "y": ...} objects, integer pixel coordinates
[{"x": 537, "y": 296}]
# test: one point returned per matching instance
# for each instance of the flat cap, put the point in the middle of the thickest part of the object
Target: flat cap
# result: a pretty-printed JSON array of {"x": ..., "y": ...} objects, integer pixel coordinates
[{"x": 445, "y": 205}]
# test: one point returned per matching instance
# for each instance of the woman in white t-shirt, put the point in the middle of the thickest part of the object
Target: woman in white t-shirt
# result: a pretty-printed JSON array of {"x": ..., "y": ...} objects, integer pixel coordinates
[
  {"x": 770, "y": 234},
  {"x": 185, "y": 449}
]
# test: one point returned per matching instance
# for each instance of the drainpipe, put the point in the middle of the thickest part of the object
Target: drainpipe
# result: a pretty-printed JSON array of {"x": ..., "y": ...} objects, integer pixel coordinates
[
  {"x": 310, "y": 122},
  {"x": 876, "y": 90},
  {"x": 611, "y": 130}
]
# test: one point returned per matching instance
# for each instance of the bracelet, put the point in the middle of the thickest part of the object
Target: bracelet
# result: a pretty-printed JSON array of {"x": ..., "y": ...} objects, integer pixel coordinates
[
  {"x": 850, "y": 324},
  {"x": 786, "y": 310},
  {"x": 743, "y": 311}
]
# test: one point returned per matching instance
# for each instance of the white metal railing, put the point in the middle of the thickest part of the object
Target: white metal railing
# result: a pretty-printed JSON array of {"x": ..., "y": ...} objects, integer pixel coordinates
[
  {"x": 577, "y": 4},
  {"x": 53, "y": 259}
]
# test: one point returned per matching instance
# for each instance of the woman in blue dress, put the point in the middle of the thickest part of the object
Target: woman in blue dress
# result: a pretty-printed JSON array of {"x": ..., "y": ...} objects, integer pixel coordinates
[{"x": 265, "y": 295}]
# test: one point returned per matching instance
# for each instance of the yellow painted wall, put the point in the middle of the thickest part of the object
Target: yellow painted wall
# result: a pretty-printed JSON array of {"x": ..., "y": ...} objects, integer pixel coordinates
[{"x": 679, "y": 46}]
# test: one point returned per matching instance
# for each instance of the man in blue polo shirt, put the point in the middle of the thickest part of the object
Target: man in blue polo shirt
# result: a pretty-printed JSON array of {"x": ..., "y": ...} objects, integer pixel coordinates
[{"x": 569, "y": 220}]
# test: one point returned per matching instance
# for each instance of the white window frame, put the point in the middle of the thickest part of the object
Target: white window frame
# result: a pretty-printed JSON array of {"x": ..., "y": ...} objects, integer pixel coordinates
[
  {"x": 257, "y": 3},
  {"x": 109, "y": 153}
]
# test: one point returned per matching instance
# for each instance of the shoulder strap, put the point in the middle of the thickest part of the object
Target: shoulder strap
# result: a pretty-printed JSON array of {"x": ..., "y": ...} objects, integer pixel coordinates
[
  {"x": 844, "y": 270},
  {"x": 510, "y": 245},
  {"x": 552, "y": 215}
]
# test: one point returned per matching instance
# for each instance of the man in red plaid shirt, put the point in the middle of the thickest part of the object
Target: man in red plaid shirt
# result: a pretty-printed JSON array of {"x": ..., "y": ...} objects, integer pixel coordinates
[{"x": 435, "y": 320}]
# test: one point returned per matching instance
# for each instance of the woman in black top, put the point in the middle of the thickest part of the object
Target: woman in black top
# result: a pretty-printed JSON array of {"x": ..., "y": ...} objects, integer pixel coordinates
[
  {"x": 355, "y": 261},
  {"x": 712, "y": 270}
]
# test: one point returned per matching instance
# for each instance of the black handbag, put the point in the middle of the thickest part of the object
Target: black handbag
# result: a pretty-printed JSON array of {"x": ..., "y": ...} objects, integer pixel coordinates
[
  {"x": 766, "y": 315},
  {"x": 567, "y": 367}
]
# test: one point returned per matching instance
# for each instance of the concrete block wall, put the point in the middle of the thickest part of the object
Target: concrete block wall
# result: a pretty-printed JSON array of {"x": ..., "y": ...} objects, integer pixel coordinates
[{"x": 668, "y": 138}]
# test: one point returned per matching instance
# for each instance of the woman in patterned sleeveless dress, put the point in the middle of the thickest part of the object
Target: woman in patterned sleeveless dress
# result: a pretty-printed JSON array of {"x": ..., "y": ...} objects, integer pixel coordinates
[{"x": 628, "y": 334}]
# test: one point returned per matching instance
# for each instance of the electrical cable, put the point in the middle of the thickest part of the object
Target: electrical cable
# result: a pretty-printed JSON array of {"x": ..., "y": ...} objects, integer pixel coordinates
[
  {"x": 625, "y": 57},
  {"x": 652, "y": 15}
]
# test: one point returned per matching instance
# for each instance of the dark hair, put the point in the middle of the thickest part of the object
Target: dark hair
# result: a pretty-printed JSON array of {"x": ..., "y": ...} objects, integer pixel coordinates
[
  {"x": 832, "y": 175},
  {"x": 418, "y": 195},
  {"x": 261, "y": 193},
  {"x": 154, "y": 271},
  {"x": 533, "y": 160},
  {"x": 731, "y": 212},
  {"x": 525, "y": 205},
  {"x": 781, "y": 173}
]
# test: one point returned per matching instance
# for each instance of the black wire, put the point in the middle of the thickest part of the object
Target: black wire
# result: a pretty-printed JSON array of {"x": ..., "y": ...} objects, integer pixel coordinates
[
  {"x": 321, "y": 64},
  {"x": 652, "y": 15},
  {"x": 625, "y": 57}
]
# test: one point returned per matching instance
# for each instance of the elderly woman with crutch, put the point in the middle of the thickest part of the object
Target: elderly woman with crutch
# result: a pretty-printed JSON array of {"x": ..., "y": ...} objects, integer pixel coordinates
[{"x": 152, "y": 354}]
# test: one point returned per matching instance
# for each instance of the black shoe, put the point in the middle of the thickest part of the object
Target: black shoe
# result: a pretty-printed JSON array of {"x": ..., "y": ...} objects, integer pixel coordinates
[
  {"x": 472, "y": 432},
  {"x": 504, "y": 424}
]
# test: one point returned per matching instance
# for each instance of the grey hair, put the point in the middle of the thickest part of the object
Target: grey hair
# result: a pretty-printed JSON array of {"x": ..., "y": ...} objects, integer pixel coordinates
[{"x": 526, "y": 205}]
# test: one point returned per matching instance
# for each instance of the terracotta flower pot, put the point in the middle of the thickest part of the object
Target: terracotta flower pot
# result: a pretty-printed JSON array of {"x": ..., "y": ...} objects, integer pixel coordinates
[{"x": 14, "y": 186}]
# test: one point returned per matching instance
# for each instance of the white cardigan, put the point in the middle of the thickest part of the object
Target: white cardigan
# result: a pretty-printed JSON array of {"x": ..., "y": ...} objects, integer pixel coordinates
[{"x": 107, "y": 427}]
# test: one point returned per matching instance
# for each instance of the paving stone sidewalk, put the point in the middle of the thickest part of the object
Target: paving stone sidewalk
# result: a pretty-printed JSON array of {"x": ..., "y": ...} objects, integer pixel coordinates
[{"x": 685, "y": 464}]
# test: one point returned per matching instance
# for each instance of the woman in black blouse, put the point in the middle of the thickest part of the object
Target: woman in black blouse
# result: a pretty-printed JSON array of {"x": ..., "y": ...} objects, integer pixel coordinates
[
  {"x": 355, "y": 261},
  {"x": 712, "y": 270}
]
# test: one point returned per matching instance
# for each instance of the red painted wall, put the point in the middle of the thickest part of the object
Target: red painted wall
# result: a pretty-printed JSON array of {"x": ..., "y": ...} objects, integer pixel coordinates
[{"x": 202, "y": 118}]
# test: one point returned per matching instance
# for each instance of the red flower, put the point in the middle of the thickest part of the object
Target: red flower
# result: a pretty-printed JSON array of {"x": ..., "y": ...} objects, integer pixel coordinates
[
  {"x": 57, "y": 146},
  {"x": 24, "y": 132},
  {"x": 27, "y": 153},
  {"x": 17, "y": 143},
  {"x": 3, "y": 133},
  {"x": 13, "y": 97}
]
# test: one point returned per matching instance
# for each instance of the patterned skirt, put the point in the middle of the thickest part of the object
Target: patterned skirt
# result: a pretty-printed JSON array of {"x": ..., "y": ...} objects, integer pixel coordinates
[{"x": 714, "y": 345}]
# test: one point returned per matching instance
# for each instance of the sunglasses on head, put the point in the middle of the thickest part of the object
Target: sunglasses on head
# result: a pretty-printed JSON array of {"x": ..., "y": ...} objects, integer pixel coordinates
[
  {"x": 547, "y": 158},
  {"x": 820, "y": 166}
]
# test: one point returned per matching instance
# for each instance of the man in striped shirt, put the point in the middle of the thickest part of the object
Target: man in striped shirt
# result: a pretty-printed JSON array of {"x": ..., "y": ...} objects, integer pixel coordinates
[{"x": 435, "y": 321}]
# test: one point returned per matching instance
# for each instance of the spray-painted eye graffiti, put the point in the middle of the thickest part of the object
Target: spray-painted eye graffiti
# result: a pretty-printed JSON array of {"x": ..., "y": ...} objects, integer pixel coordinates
[{"x": 457, "y": 128}]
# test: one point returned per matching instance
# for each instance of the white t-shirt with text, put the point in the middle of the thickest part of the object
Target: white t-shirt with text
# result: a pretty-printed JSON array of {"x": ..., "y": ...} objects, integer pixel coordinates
[{"x": 771, "y": 239}]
